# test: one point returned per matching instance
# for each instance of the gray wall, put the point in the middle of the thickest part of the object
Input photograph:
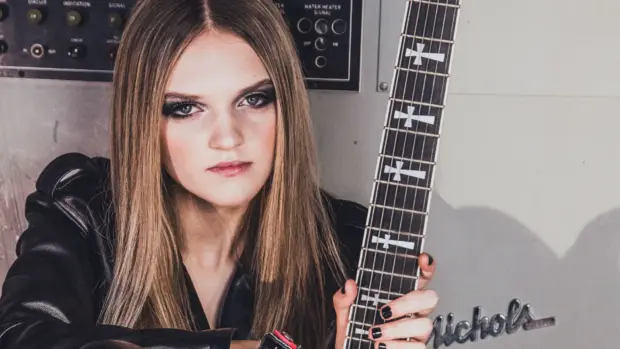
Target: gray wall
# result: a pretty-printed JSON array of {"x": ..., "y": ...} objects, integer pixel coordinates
[{"x": 526, "y": 200}]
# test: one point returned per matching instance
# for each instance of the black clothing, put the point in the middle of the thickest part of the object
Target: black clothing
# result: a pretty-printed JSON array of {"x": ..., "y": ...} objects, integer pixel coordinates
[{"x": 53, "y": 292}]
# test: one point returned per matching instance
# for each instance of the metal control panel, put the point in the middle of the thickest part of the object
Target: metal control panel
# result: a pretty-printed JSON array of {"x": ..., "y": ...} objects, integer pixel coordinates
[
  {"x": 60, "y": 39},
  {"x": 77, "y": 40},
  {"x": 328, "y": 37}
]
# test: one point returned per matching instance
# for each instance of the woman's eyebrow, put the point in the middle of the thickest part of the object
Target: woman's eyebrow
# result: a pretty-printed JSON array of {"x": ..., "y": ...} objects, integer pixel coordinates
[
  {"x": 254, "y": 86},
  {"x": 243, "y": 91}
]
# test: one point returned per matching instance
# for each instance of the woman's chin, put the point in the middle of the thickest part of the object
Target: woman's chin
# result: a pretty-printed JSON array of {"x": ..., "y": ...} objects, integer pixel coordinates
[{"x": 229, "y": 198}]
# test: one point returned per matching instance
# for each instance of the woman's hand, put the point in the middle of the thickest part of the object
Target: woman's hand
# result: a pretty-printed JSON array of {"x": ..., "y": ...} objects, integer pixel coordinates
[{"x": 414, "y": 307}]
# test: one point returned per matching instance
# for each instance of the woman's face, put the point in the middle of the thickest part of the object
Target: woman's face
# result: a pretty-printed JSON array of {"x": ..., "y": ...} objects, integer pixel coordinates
[{"x": 219, "y": 121}]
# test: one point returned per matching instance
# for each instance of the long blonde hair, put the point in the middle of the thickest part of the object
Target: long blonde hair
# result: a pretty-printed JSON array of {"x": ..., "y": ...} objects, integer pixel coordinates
[{"x": 293, "y": 248}]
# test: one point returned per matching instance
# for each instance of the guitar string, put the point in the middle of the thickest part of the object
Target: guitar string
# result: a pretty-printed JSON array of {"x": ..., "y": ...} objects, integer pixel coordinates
[
  {"x": 443, "y": 86},
  {"x": 359, "y": 336},
  {"x": 376, "y": 185},
  {"x": 426, "y": 127},
  {"x": 407, "y": 136},
  {"x": 407, "y": 180},
  {"x": 427, "y": 193},
  {"x": 392, "y": 154},
  {"x": 420, "y": 74}
]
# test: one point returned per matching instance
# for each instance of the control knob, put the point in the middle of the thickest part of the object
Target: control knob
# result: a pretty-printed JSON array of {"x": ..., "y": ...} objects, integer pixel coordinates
[
  {"x": 320, "y": 43},
  {"x": 35, "y": 16},
  {"x": 321, "y": 26},
  {"x": 115, "y": 20},
  {"x": 339, "y": 26},
  {"x": 74, "y": 18},
  {"x": 304, "y": 25}
]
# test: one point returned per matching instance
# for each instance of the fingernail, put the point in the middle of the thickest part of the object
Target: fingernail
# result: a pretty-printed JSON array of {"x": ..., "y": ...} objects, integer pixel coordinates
[
  {"x": 376, "y": 332},
  {"x": 430, "y": 259},
  {"x": 342, "y": 290},
  {"x": 386, "y": 312},
  {"x": 382, "y": 346}
]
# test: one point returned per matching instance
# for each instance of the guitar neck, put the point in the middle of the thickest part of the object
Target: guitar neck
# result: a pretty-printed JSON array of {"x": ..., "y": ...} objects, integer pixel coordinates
[{"x": 401, "y": 193}]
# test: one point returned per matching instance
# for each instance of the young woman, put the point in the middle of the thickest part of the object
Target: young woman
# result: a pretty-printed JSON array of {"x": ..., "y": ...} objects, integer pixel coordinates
[{"x": 206, "y": 228}]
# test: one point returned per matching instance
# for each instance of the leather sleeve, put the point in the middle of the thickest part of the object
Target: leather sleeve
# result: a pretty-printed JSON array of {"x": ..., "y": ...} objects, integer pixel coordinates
[{"x": 47, "y": 296}]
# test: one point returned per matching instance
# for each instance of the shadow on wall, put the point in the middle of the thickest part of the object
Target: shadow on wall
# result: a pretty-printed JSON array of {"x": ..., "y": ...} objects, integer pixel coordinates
[{"x": 486, "y": 258}]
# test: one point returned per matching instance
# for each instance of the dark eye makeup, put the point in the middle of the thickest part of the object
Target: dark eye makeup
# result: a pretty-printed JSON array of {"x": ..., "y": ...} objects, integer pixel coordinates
[{"x": 177, "y": 106}]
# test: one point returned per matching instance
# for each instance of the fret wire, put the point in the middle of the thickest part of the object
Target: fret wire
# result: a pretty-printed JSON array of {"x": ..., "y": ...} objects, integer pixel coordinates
[
  {"x": 412, "y": 132},
  {"x": 375, "y": 221},
  {"x": 395, "y": 264},
  {"x": 404, "y": 255},
  {"x": 422, "y": 148},
  {"x": 444, "y": 41},
  {"x": 400, "y": 209},
  {"x": 426, "y": 88},
  {"x": 402, "y": 276},
  {"x": 416, "y": 102},
  {"x": 416, "y": 187},
  {"x": 425, "y": 72},
  {"x": 359, "y": 339},
  {"x": 364, "y": 307},
  {"x": 406, "y": 159},
  {"x": 369, "y": 290},
  {"x": 361, "y": 324},
  {"x": 393, "y": 232},
  {"x": 403, "y": 200},
  {"x": 367, "y": 315}
]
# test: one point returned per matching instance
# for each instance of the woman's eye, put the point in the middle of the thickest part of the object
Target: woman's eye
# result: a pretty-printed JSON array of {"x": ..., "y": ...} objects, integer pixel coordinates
[
  {"x": 185, "y": 109},
  {"x": 257, "y": 100},
  {"x": 180, "y": 110}
]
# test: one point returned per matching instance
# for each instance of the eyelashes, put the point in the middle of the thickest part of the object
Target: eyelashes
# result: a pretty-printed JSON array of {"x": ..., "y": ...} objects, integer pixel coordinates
[{"x": 183, "y": 108}]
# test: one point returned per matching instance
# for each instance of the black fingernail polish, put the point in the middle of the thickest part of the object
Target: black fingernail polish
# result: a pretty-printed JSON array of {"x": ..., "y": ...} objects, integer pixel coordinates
[
  {"x": 382, "y": 346},
  {"x": 376, "y": 332},
  {"x": 430, "y": 259},
  {"x": 386, "y": 312}
]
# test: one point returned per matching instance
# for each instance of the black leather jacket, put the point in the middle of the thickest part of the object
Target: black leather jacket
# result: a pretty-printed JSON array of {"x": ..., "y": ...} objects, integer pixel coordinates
[{"x": 53, "y": 292}]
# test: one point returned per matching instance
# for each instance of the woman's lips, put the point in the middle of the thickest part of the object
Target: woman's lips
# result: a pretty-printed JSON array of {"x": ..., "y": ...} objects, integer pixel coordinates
[{"x": 230, "y": 169}]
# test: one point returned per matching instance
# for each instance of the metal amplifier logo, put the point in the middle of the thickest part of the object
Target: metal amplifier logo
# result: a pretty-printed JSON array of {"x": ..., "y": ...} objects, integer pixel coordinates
[{"x": 518, "y": 317}]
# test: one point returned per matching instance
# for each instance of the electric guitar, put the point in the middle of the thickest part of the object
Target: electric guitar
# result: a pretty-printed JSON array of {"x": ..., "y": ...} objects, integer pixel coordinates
[{"x": 401, "y": 193}]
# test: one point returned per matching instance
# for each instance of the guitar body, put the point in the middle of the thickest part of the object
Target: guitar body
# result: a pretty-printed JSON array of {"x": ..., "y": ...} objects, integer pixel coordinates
[{"x": 398, "y": 212}]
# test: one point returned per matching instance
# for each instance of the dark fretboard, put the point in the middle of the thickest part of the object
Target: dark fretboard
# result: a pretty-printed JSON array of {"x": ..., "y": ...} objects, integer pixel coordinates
[{"x": 396, "y": 224}]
